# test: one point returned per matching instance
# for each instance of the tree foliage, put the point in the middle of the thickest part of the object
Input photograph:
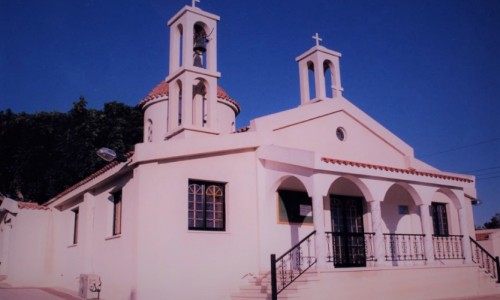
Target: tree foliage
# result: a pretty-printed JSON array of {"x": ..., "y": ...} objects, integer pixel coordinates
[
  {"x": 44, "y": 153},
  {"x": 493, "y": 223}
]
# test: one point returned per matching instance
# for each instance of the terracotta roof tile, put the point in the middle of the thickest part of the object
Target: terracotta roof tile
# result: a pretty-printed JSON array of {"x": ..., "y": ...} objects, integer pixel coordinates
[
  {"x": 161, "y": 90},
  {"x": 242, "y": 129},
  {"x": 392, "y": 169},
  {"x": 94, "y": 175},
  {"x": 31, "y": 205},
  {"x": 482, "y": 236}
]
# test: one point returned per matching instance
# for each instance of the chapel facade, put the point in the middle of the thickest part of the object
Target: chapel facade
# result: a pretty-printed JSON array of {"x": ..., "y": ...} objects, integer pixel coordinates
[{"x": 312, "y": 202}]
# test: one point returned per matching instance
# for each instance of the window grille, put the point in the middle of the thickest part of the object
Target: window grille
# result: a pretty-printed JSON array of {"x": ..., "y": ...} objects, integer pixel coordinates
[{"x": 206, "y": 206}]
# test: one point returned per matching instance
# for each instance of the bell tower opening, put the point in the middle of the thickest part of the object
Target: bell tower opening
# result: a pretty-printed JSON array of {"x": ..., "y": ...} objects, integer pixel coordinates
[
  {"x": 200, "y": 40},
  {"x": 199, "y": 103},
  {"x": 328, "y": 74},
  {"x": 310, "y": 80},
  {"x": 179, "y": 28},
  {"x": 179, "y": 118}
]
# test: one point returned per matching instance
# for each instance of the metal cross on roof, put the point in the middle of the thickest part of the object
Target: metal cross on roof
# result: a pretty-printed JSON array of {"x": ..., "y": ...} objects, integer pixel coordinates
[
  {"x": 193, "y": 2},
  {"x": 317, "y": 38}
]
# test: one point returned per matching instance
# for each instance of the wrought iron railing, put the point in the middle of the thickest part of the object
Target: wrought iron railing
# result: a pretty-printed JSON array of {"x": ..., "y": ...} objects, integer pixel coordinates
[
  {"x": 289, "y": 266},
  {"x": 363, "y": 241},
  {"x": 448, "y": 246},
  {"x": 404, "y": 247},
  {"x": 486, "y": 261}
]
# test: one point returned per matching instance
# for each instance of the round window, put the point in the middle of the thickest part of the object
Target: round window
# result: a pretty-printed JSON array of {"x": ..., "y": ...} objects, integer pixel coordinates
[{"x": 341, "y": 135}]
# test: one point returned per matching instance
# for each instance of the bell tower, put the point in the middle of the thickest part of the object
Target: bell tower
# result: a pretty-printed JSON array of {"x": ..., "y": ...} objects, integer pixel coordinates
[
  {"x": 319, "y": 74},
  {"x": 193, "y": 72}
]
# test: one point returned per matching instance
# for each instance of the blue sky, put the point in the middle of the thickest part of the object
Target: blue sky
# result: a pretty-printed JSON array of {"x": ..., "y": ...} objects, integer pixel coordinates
[{"x": 429, "y": 71}]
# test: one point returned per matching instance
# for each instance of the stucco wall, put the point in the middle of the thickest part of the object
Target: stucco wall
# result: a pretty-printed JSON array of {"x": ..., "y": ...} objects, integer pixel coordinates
[
  {"x": 177, "y": 263},
  {"x": 28, "y": 253},
  {"x": 113, "y": 258}
]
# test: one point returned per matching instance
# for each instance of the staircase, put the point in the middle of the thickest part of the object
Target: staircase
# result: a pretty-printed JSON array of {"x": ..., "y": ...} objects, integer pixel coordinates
[{"x": 259, "y": 287}]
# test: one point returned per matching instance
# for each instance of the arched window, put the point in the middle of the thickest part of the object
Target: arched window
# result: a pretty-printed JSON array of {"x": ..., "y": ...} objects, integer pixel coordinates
[
  {"x": 150, "y": 131},
  {"x": 214, "y": 202},
  {"x": 206, "y": 203}
]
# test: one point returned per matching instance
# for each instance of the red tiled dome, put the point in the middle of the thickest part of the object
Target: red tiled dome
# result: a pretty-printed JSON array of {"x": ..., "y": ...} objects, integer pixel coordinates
[{"x": 161, "y": 90}]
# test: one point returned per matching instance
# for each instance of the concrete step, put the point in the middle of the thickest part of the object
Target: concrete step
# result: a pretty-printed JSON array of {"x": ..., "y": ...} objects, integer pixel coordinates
[{"x": 260, "y": 287}]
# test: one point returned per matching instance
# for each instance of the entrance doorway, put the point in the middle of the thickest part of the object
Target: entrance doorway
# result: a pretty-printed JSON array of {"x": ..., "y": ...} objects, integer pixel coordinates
[{"x": 348, "y": 240}]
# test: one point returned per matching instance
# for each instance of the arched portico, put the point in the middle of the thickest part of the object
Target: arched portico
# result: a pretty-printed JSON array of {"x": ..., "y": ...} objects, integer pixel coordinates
[{"x": 361, "y": 221}]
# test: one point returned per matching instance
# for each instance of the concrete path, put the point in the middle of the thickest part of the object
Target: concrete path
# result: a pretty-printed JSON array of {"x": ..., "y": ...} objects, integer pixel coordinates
[
  {"x": 34, "y": 293},
  {"x": 491, "y": 297}
]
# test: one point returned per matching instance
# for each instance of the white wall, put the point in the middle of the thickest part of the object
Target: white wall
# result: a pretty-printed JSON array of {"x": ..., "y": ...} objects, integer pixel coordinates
[
  {"x": 28, "y": 258},
  {"x": 176, "y": 263}
]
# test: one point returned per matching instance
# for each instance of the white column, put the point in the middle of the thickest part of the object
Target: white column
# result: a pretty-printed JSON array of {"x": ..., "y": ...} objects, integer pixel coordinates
[
  {"x": 187, "y": 100},
  {"x": 319, "y": 226},
  {"x": 427, "y": 229},
  {"x": 319, "y": 78},
  {"x": 304, "y": 82},
  {"x": 378, "y": 239},
  {"x": 464, "y": 229}
]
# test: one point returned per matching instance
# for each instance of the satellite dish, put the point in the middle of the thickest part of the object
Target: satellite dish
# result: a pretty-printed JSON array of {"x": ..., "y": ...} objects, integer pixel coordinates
[{"x": 110, "y": 155}]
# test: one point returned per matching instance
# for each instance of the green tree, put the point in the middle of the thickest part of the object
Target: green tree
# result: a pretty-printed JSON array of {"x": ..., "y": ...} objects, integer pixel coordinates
[
  {"x": 493, "y": 223},
  {"x": 44, "y": 153}
]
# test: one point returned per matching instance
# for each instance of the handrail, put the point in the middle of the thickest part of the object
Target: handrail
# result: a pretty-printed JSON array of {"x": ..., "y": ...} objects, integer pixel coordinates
[
  {"x": 333, "y": 246},
  {"x": 478, "y": 257},
  {"x": 404, "y": 247},
  {"x": 289, "y": 265},
  {"x": 448, "y": 246}
]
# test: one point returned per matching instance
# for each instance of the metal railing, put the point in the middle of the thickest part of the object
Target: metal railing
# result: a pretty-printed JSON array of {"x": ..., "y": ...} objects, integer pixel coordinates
[
  {"x": 364, "y": 241},
  {"x": 448, "y": 246},
  {"x": 404, "y": 247},
  {"x": 289, "y": 266},
  {"x": 486, "y": 261}
]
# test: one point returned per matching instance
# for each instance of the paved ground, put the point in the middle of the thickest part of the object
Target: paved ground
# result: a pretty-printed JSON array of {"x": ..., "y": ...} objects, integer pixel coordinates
[
  {"x": 34, "y": 293},
  {"x": 492, "y": 297}
]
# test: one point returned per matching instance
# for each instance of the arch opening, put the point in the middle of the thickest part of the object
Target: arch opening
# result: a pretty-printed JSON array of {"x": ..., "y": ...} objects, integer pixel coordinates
[
  {"x": 199, "y": 112},
  {"x": 179, "y": 107},
  {"x": 349, "y": 216},
  {"x": 200, "y": 40},
  {"x": 328, "y": 72},
  {"x": 400, "y": 211},
  {"x": 311, "y": 80},
  {"x": 181, "y": 45}
]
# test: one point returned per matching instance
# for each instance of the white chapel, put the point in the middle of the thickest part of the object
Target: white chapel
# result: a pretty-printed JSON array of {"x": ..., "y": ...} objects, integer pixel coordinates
[{"x": 316, "y": 202}]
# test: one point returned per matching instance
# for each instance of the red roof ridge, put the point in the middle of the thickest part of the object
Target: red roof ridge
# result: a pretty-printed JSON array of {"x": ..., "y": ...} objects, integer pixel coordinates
[
  {"x": 92, "y": 176},
  {"x": 242, "y": 129},
  {"x": 161, "y": 90},
  {"x": 31, "y": 205},
  {"x": 411, "y": 171}
]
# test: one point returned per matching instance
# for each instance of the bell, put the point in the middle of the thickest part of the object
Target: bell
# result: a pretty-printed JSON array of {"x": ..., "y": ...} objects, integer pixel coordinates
[{"x": 199, "y": 43}]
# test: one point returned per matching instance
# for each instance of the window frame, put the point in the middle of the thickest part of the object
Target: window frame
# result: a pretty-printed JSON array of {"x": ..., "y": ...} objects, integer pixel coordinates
[
  {"x": 76, "y": 218},
  {"x": 192, "y": 204},
  {"x": 440, "y": 222},
  {"x": 117, "y": 203}
]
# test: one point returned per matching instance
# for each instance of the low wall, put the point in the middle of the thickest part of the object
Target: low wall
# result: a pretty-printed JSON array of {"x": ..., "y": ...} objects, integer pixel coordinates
[{"x": 401, "y": 283}]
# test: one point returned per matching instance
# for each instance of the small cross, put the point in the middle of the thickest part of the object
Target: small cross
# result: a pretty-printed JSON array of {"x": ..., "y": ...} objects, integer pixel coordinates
[
  {"x": 317, "y": 38},
  {"x": 193, "y": 2}
]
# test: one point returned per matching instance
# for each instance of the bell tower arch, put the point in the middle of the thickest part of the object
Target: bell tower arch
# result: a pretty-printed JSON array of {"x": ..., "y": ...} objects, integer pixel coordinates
[
  {"x": 193, "y": 73},
  {"x": 324, "y": 63}
]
